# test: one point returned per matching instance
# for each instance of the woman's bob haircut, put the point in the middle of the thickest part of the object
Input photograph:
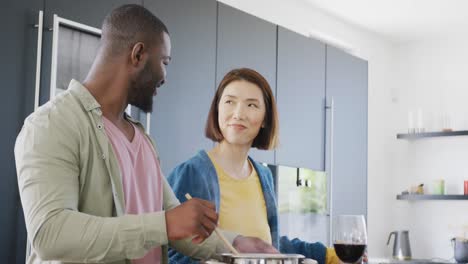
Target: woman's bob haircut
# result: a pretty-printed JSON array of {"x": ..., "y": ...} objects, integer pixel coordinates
[{"x": 267, "y": 137}]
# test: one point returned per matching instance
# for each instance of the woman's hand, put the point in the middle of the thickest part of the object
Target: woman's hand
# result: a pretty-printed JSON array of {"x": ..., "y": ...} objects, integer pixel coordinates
[{"x": 246, "y": 244}]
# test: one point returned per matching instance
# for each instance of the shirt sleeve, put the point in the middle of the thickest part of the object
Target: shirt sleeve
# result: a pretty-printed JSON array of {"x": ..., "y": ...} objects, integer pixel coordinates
[
  {"x": 47, "y": 162},
  {"x": 316, "y": 251}
]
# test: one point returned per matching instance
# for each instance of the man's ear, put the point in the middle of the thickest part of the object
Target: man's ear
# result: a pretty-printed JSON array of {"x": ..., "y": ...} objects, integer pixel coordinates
[{"x": 138, "y": 55}]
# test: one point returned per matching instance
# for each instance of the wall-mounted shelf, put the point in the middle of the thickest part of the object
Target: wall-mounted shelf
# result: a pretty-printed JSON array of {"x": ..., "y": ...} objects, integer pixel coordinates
[
  {"x": 431, "y": 197},
  {"x": 433, "y": 134}
]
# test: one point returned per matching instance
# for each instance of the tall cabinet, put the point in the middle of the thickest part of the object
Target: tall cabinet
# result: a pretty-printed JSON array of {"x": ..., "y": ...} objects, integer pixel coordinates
[
  {"x": 347, "y": 100},
  {"x": 18, "y": 50},
  {"x": 246, "y": 41},
  {"x": 301, "y": 107},
  {"x": 181, "y": 106}
]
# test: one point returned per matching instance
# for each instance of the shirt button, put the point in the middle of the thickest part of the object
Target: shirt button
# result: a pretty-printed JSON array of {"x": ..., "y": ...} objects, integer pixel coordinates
[
  {"x": 103, "y": 156},
  {"x": 99, "y": 126},
  {"x": 98, "y": 111}
]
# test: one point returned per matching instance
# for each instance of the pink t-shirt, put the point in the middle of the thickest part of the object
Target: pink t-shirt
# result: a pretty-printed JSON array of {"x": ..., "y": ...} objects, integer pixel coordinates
[{"x": 141, "y": 177}]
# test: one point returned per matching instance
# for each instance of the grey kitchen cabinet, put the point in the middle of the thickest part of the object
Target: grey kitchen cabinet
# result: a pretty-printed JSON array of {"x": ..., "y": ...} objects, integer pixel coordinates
[
  {"x": 18, "y": 50},
  {"x": 301, "y": 101},
  {"x": 246, "y": 41},
  {"x": 301, "y": 107},
  {"x": 347, "y": 100},
  {"x": 182, "y": 103}
]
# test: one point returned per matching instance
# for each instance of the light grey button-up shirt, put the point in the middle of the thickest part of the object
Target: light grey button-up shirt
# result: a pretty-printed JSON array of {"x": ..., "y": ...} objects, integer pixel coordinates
[{"x": 71, "y": 190}]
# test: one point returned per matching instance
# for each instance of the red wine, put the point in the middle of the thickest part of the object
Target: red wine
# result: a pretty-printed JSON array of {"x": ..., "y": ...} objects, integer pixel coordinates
[{"x": 349, "y": 253}]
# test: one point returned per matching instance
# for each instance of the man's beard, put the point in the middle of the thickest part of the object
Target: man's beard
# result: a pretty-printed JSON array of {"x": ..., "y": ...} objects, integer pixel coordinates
[
  {"x": 146, "y": 102},
  {"x": 140, "y": 94}
]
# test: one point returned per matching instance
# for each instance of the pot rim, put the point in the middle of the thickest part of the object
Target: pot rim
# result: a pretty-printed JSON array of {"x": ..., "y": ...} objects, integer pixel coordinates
[{"x": 263, "y": 256}]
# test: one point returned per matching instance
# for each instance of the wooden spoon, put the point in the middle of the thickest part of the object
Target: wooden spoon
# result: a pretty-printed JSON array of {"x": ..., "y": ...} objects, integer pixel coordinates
[{"x": 220, "y": 235}]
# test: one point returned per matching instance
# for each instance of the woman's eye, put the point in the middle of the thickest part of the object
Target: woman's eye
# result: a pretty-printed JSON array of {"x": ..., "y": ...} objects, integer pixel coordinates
[
  {"x": 228, "y": 102},
  {"x": 253, "y": 105}
]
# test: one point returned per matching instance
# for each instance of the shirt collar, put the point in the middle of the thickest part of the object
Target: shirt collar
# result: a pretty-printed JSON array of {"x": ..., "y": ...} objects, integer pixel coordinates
[
  {"x": 88, "y": 100},
  {"x": 85, "y": 97}
]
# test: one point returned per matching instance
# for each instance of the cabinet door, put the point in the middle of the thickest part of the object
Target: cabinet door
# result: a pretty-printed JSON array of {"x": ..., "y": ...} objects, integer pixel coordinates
[
  {"x": 301, "y": 101},
  {"x": 246, "y": 41},
  {"x": 347, "y": 87},
  {"x": 87, "y": 12},
  {"x": 181, "y": 106},
  {"x": 18, "y": 50}
]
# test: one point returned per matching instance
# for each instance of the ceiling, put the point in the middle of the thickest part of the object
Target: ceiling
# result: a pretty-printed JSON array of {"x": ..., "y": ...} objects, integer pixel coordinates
[{"x": 401, "y": 20}]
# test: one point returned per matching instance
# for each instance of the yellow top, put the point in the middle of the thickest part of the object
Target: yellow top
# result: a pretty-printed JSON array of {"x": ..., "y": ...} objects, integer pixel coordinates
[
  {"x": 242, "y": 205},
  {"x": 331, "y": 257}
]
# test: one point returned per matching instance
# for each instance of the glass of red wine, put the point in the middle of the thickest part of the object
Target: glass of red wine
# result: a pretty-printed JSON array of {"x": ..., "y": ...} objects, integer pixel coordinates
[{"x": 349, "y": 237}]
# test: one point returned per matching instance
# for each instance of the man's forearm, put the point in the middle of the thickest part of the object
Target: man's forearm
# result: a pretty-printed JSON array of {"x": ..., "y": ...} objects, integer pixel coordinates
[{"x": 77, "y": 237}]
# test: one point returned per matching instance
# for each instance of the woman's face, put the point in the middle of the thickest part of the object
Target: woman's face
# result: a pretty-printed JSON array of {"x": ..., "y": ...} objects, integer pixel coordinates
[{"x": 241, "y": 112}]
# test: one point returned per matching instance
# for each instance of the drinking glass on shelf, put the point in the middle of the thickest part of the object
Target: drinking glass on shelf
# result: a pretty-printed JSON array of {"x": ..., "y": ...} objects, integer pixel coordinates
[
  {"x": 411, "y": 126},
  {"x": 349, "y": 237}
]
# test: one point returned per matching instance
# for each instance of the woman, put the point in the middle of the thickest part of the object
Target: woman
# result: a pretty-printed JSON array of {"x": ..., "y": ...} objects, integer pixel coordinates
[{"x": 242, "y": 115}]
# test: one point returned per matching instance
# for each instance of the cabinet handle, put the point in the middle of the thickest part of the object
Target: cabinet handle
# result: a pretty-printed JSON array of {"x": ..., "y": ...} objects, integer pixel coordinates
[
  {"x": 53, "y": 70},
  {"x": 331, "y": 108},
  {"x": 40, "y": 26}
]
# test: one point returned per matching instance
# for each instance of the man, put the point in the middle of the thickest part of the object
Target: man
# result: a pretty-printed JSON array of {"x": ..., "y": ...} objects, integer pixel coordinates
[{"x": 89, "y": 178}]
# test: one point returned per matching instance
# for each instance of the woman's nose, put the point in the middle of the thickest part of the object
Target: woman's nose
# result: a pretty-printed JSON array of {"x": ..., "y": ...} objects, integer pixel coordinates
[{"x": 239, "y": 112}]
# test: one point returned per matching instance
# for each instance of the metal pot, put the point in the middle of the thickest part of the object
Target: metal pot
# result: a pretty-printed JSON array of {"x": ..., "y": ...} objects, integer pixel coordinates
[
  {"x": 265, "y": 259},
  {"x": 460, "y": 246}
]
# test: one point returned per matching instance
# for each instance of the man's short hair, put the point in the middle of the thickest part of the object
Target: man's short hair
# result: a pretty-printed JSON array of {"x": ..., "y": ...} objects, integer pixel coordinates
[
  {"x": 128, "y": 24},
  {"x": 267, "y": 137}
]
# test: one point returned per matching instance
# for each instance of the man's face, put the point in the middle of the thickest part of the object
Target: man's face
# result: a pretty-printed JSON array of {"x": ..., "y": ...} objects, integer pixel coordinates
[{"x": 152, "y": 76}]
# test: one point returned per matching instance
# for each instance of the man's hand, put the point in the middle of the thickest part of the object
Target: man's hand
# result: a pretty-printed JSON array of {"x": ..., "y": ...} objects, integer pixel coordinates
[
  {"x": 195, "y": 217},
  {"x": 253, "y": 245}
]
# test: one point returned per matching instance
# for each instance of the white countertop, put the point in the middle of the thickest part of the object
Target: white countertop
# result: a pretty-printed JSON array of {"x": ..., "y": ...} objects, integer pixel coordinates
[{"x": 391, "y": 260}]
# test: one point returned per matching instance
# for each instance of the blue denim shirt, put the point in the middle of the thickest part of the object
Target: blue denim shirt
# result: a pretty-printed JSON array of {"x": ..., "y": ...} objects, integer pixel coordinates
[{"x": 198, "y": 177}]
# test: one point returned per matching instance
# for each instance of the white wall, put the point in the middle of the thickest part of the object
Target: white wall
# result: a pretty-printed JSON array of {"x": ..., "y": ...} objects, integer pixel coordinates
[
  {"x": 432, "y": 75},
  {"x": 301, "y": 17}
]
